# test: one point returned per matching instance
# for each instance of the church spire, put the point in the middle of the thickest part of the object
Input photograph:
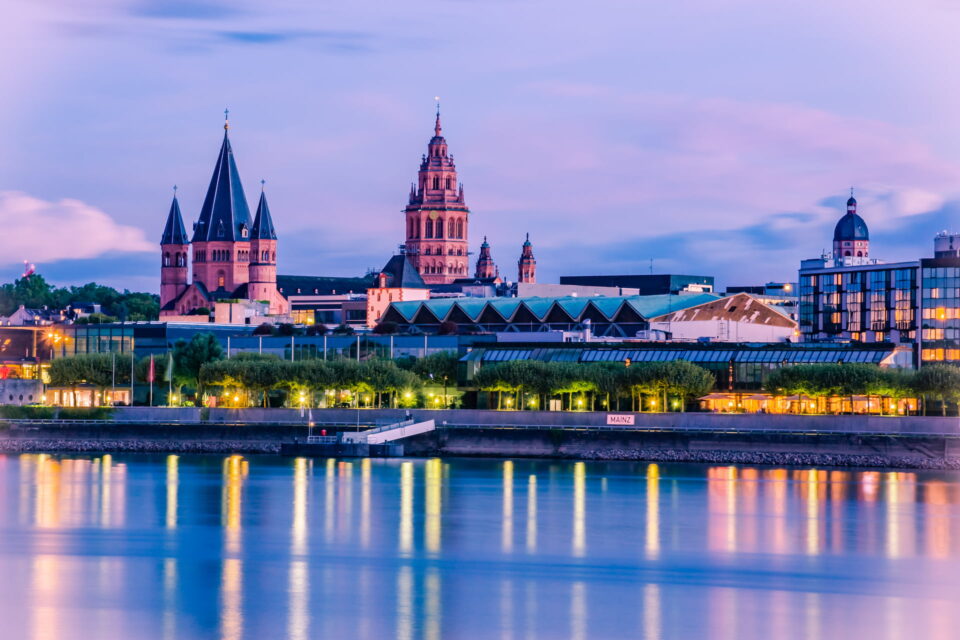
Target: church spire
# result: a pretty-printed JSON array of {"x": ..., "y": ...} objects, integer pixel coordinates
[
  {"x": 485, "y": 265},
  {"x": 262, "y": 222},
  {"x": 225, "y": 215},
  {"x": 173, "y": 230},
  {"x": 527, "y": 265},
  {"x": 437, "y": 129}
]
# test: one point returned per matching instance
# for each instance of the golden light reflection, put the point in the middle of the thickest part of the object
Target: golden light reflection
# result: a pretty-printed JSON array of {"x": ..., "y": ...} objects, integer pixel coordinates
[
  {"x": 653, "y": 511},
  {"x": 748, "y": 490},
  {"x": 722, "y": 505},
  {"x": 531, "y": 514},
  {"x": 578, "y": 610},
  {"x": 434, "y": 606},
  {"x": 506, "y": 609},
  {"x": 405, "y": 596},
  {"x": 169, "y": 598},
  {"x": 329, "y": 505},
  {"x": 433, "y": 499},
  {"x": 406, "y": 507},
  {"x": 579, "y": 509},
  {"x": 937, "y": 497},
  {"x": 506, "y": 534},
  {"x": 365, "y": 503},
  {"x": 172, "y": 482},
  {"x": 231, "y": 578},
  {"x": 651, "y": 612},
  {"x": 777, "y": 507},
  {"x": 344, "y": 498},
  {"x": 298, "y": 578},
  {"x": 900, "y": 498},
  {"x": 45, "y": 621},
  {"x": 838, "y": 497},
  {"x": 813, "y": 484}
]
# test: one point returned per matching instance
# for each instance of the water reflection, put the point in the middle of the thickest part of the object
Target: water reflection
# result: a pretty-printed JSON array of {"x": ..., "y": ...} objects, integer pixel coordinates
[{"x": 231, "y": 547}]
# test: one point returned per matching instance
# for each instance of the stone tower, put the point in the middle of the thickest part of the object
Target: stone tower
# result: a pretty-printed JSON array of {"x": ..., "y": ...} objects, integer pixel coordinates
[
  {"x": 527, "y": 265},
  {"x": 221, "y": 236},
  {"x": 485, "y": 265},
  {"x": 174, "y": 248},
  {"x": 263, "y": 259},
  {"x": 437, "y": 216}
]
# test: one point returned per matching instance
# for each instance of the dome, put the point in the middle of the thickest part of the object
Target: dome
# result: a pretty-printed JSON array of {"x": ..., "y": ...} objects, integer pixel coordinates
[{"x": 851, "y": 227}]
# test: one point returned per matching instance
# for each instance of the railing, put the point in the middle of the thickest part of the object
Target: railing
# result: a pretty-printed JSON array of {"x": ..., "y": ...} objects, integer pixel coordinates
[{"x": 321, "y": 439}]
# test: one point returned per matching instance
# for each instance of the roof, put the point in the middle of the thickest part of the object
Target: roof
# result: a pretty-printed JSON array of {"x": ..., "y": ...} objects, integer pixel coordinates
[
  {"x": 318, "y": 285},
  {"x": 507, "y": 308},
  {"x": 851, "y": 227},
  {"x": 173, "y": 231},
  {"x": 225, "y": 214},
  {"x": 699, "y": 354},
  {"x": 263, "y": 223},
  {"x": 401, "y": 274},
  {"x": 740, "y": 307}
]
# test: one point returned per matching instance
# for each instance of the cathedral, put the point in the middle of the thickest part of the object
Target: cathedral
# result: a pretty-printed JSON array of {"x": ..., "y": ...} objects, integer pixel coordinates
[
  {"x": 233, "y": 257},
  {"x": 438, "y": 221}
]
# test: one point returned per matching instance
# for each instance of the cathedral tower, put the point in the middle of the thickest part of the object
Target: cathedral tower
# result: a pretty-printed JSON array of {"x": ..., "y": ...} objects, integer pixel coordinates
[
  {"x": 485, "y": 265},
  {"x": 263, "y": 260},
  {"x": 437, "y": 216},
  {"x": 527, "y": 265},
  {"x": 221, "y": 236},
  {"x": 174, "y": 248}
]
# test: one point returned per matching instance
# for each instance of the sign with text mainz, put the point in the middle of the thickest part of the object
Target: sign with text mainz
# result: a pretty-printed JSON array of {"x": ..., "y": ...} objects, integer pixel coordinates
[{"x": 619, "y": 419}]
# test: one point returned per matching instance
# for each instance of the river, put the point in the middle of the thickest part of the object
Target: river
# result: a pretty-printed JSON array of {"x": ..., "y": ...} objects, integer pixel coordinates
[{"x": 141, "y": 546}]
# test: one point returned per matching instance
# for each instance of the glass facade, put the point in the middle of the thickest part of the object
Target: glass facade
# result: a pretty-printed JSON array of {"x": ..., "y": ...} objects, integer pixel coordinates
[
  {"x": 940, "y": 324},
  {"x": 870, "y": 303}
]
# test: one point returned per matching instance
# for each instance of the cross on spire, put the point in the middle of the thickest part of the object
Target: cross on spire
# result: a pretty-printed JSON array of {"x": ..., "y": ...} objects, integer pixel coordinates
[
  {"x": 436, "y": 128},
  {"x": 262, "y": 183},
  {"x": 174, "y": 191},
  {"x": 226, "y": 119}
]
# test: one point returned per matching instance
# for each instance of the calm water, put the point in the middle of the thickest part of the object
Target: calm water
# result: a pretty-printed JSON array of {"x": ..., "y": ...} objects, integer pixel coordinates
[{"x": 264, "y": 547}]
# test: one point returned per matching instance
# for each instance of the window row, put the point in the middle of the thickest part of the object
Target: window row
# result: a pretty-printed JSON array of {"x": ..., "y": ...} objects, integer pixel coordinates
[{"x": 454, "y": 227}]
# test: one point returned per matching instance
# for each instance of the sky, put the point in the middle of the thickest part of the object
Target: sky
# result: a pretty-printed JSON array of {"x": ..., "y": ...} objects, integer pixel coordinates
[{"x": 708, "y": 137}]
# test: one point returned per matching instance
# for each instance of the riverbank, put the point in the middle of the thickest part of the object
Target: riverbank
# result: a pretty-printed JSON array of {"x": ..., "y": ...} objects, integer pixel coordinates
[{"x": 861, "y": 441}]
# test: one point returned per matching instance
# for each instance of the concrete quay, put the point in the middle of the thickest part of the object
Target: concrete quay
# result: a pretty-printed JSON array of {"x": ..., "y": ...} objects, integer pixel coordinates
[{"x": 874, "y": 441}]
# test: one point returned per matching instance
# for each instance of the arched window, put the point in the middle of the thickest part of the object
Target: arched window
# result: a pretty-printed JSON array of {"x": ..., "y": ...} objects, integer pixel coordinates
[
  {"x": 439, "y": 228},
  {"x": 426, "y": 251},
  {"x": 847, "y": 253},
  {"x": 428, "y": 232},
  {"x": 221, "y": 279},
  {"x": 452, "y": 228},
  {"x": 436, "y": 182},
  {"x": 460, "y": 228},
  {"x": 166, "y": 259},
  {"x": 859, "y": 254},
  {"x": 449, "y": 183},
  {"x": 459, "y": 252}
]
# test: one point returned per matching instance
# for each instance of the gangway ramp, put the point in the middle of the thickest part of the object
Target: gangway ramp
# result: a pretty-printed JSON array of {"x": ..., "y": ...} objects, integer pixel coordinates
[{"x": 391, "y": 432}]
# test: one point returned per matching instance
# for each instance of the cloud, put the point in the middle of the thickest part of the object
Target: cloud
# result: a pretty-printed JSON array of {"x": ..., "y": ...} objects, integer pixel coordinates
[
  {"x": 185, "y": 9},
  {"x": 42, "y": 231}
]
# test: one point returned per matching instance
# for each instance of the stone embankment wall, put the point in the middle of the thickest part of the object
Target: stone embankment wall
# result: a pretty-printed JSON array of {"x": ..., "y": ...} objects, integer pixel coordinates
[{"x": 716, "y": 438}]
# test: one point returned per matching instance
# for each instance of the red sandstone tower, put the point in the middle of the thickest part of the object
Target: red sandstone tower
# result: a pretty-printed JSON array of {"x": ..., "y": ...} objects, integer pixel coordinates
[
  {"x": 485, "y": 265},
  {"x": 174, "y": 248},
  {"x": 263, "y": 259},
  {"x": 437, "y": 216},
  {"x": 527, "y": 265}
]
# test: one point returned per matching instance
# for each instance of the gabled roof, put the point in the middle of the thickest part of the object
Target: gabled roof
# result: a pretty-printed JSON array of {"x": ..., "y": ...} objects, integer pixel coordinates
[
  {"x": 225, "y": 213},
  {"x": 263, "y": 223},
  {"x": 652, "y": 306},
  {"x": 173, "y": 231},
  {"x": 401, "y": 274}
]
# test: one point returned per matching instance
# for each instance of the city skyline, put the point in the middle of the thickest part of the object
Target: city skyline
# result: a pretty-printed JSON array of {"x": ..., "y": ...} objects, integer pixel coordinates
[{"x": 607, "y": 166}]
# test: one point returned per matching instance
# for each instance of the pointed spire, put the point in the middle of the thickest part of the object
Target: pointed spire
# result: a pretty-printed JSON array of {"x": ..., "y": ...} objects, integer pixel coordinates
[
  {"x": 851, "y": 203},
  {"x": 526, "y": 242},
  {"x": 436, "y": 128},
  {"x": 173, "y": 231},
  {"x": 226, "y": 119},
  {"x": 225, "y": 214},
  {"x": 263, "y": 223}
]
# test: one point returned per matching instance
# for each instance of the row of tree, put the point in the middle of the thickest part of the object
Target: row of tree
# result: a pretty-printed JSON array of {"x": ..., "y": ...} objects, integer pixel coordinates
[
  {"x": 529, "y": 384},
  {"x": 817, "y": 381},
  {"x": 34, "y": 292}
]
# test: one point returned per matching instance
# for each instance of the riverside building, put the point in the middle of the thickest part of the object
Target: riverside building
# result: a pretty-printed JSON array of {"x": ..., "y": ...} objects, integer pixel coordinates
[{"x": 848, "y": 296}]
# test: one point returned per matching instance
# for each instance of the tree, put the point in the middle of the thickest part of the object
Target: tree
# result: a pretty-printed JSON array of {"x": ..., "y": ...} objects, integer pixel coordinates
[
  {"x": 686, "y": 381},
  {"x": 940, "y": 381},
  {"x": 95, "y": 369},
  {"x": 385, "y": 328},
  {"x": 344, "y": 330},
  {"x": 95, "y": 318},
  {"x": 317, "y": 330},
  {"x": 265, "y": 329},
  {"x": 189, "y": 358},
  {"x": 447, "y": 328},
  {"x": 436, "y": 366}
]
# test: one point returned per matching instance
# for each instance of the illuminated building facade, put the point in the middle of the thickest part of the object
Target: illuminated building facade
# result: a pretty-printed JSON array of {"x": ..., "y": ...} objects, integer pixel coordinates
[{"x": 940, "y": 300}]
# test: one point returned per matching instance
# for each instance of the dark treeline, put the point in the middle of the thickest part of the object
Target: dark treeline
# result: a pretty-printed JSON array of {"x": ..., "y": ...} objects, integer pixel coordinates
[{"x": 34, "y": 292}]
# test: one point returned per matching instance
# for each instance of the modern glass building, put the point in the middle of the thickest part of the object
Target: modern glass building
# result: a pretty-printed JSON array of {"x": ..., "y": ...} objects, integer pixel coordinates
[{"x": 940, "y": 302}]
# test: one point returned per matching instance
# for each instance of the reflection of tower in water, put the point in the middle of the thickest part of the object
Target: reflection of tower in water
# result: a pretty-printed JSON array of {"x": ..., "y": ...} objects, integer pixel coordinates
[{"x": 235, "y": 468}]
